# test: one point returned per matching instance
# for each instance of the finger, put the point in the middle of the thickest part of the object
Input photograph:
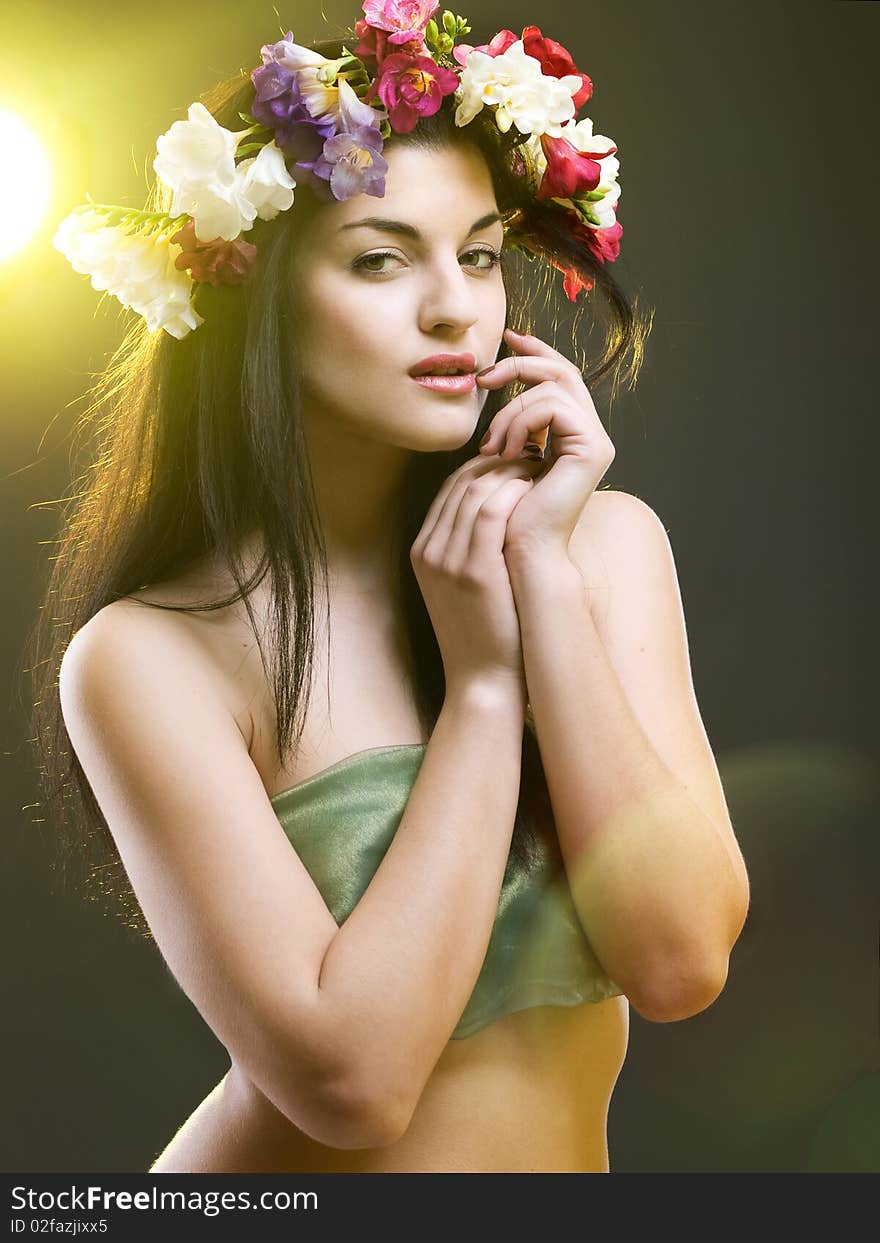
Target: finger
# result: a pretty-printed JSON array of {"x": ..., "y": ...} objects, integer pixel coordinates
[
  {"x": 549, "y": 414},
  {"x": 529, "y": 344},
  {"x": 525, "y": 400},
  {"x": 530, "y": 368},
  {"x": 462, "y": 502},
  {"x": 471, "y": 468},
  {"x": 456, "y": 537},
  {"x": 524, "y": 345},
  {"x": 489, "y": 527}
]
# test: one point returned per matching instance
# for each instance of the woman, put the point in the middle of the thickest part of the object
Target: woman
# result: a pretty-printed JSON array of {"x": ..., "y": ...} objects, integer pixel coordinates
[{"x": 414, "y": 883}]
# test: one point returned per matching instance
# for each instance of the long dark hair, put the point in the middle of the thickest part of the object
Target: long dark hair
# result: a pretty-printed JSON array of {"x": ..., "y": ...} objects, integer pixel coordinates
[{"x": 192, "y": 444}]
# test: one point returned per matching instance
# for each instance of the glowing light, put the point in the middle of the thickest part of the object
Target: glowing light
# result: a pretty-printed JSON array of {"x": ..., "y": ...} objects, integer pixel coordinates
[{"x": 25, "y": 195}]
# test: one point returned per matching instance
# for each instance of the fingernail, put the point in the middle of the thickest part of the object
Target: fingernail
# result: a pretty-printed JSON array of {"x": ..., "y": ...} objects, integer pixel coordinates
[
  {"x": 534, "y": 450},
  {"x": 485, "y": 369},
  {"x": 485, "y": 439}
]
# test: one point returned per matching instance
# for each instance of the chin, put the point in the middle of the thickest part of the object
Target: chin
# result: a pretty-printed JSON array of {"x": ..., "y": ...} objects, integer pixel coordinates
[{"x": 454, "y": 434}]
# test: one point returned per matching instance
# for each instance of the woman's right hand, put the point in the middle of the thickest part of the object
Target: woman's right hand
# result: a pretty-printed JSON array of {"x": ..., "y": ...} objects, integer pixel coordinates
[{"x": 458, "y": 560}]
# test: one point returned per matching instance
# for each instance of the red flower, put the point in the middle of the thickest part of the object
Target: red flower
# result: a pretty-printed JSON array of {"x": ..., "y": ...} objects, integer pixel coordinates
[
  {"x": 604, "y": 243},
  {"x": 213, "y": 263},
  {"x": 568, "y": 170},
  {"x": 556, "y": 61},
  {"x": 573, "y": 282}
]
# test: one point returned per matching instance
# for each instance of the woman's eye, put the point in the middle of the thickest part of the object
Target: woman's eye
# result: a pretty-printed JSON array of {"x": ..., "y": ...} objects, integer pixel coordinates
[
  {"x": 363, "y": 262},
  {"x": 486, "y": 260},
  {"x": 492, "y": 257}
]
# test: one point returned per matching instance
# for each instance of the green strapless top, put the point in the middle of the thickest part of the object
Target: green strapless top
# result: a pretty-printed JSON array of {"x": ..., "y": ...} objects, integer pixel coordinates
[{"x": 341, "y": 822}]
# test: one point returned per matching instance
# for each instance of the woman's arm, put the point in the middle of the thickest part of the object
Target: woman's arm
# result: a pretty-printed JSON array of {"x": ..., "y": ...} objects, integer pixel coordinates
[
  {"x": 338, "y": 1027},
  {"x": 655, "y": 870},
  {"x": 399, "y": 973}
]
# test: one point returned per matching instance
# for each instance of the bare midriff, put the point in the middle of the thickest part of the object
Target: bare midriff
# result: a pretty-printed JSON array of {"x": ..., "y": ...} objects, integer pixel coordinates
[{"x": 527, "y": 1094}]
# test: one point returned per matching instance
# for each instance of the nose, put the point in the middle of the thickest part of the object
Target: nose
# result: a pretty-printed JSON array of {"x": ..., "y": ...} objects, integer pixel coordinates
[{"x": 448, "y": 297}]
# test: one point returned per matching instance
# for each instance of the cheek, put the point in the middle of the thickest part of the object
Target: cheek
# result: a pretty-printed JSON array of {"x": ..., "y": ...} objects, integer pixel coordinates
[
  {"x": 342, "y": 330},
  {"x": 349, "y": 349}
]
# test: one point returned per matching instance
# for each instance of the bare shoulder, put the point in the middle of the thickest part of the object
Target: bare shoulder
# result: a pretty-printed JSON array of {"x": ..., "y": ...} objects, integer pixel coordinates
[
  {"x": 213, "y": 647},
  {"x": 610, "y": 511},
  {"x": 602, "y": 536}
]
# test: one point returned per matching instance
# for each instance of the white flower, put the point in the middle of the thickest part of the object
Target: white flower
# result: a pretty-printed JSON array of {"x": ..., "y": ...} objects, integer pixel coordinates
[
  {"x": 602, "y": 209},
  {"x": 153, "y": 287},
  {"x": 89, "y": 244},
  {"x": 197, "y": 150},
  {"x": 320, "y": 97},
  {"x": 196, "y": 161},
  {"x": 522, "y": 94},
  {"x": 136, "y": 269},
  {"x": 265, "y": 182},
  {"x": 338, "y": 102},
  {"x": 580, "y": 135}
]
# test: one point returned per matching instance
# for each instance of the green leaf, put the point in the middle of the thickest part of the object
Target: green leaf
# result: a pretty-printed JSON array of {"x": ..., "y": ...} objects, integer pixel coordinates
[{"x": 450, "y": 23}]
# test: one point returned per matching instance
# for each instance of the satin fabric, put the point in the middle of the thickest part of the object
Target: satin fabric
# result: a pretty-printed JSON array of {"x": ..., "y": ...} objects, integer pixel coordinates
[{"x": 342, "y": 820}]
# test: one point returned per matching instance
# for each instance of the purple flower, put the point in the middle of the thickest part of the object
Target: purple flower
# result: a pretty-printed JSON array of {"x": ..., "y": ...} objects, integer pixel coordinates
[
  {"x": 279, "y": 105},
  {"x": 353, "y": 163}
]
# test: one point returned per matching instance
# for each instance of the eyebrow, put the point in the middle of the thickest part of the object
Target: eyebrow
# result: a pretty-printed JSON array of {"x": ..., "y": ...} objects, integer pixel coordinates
[{"x": 409, "y": 230}]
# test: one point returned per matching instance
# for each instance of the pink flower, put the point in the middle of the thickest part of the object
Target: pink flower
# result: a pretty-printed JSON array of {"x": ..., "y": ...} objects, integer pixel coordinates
[
  {"x": 373, "y": 43},
  {"x": 213, "y": 263},
  {"x": 568, "y": 172},
  {"x": 497, "y": 46},
  {"x": 404, "y": 19},
  {"x": 411, "y": 87}
]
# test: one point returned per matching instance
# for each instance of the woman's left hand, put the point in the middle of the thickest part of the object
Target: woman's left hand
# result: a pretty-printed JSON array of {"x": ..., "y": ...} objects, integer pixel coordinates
[{"x": 580, "y": 449}]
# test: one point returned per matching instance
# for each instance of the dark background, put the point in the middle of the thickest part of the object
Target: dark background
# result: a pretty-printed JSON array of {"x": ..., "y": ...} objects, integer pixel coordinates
[{"x": 746, "y": 136}]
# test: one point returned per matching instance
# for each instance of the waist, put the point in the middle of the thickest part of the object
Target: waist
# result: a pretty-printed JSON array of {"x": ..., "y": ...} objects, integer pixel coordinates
[{"x": 527, "y": 1094}]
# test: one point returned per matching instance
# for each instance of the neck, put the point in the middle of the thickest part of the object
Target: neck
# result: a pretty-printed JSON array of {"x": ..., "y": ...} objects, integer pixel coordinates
[{"x": 355, "y": 480}]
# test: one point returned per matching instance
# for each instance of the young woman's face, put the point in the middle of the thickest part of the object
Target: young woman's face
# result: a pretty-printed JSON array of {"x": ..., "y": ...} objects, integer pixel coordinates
[{"x": 379, "y": 298}]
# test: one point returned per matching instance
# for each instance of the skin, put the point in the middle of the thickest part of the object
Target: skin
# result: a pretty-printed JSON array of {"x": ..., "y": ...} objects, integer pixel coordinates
[{"x": 368, "y": 324}]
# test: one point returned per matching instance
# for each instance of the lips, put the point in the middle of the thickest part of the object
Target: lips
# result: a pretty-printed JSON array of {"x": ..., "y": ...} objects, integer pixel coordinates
[
  {"x": 448, "y": 383},
  {"x": 461, "y": 363}
]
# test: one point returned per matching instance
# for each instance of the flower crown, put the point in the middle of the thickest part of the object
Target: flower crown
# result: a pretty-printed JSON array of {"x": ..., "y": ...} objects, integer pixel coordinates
[{"x": 327, "y": 120}]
